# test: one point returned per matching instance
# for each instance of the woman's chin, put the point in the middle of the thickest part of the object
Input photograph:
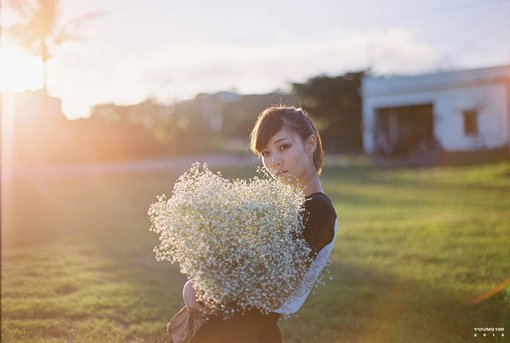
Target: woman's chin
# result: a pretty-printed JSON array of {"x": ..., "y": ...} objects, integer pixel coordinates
[{"x": 286, "y": 178}]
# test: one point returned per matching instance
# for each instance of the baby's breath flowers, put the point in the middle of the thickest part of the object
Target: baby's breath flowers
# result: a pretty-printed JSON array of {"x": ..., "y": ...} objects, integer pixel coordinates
[{"x": 240, "y": 241}]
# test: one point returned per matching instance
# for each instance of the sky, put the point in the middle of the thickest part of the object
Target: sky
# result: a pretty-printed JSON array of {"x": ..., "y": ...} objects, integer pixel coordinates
[{"x": 172, "y": 50}]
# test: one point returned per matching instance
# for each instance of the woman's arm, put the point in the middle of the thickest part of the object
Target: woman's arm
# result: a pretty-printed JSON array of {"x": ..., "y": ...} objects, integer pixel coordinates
[{"x": 189, "y": 295}]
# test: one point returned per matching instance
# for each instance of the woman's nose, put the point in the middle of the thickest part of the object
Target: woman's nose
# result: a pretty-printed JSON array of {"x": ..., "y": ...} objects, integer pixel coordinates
[{"x": 276, "y": 159}]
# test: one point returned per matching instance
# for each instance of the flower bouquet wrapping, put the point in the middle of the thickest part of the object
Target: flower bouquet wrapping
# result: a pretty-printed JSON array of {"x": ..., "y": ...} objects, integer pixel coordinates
[{"x": 240, "y": 241}]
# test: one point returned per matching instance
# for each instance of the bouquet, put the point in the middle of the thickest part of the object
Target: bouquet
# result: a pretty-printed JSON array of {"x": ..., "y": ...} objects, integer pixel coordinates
[{"x": 240, "y": 241}]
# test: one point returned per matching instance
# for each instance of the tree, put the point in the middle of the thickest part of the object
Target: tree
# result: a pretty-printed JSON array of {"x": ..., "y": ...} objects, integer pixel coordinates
[
  {"x": 37, "y": 31},
  {"x": 335, "y": 102}
]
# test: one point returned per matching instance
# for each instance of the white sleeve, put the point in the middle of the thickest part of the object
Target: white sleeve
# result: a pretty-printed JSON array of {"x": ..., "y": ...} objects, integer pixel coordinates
[{"x": 294, "y": 303}]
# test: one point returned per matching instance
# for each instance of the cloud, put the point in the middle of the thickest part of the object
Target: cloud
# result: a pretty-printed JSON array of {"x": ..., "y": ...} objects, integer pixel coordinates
[
  {"x": 397, "y": 51},
  {"x": 99, "y": 71}
]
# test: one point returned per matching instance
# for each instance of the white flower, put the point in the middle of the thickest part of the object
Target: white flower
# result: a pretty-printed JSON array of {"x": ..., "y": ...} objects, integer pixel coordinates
[{"x": 239, "y": 240}]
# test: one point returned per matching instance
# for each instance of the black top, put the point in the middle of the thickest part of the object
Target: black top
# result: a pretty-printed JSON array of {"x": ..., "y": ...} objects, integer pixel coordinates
[{"x": 319, "y": 221}]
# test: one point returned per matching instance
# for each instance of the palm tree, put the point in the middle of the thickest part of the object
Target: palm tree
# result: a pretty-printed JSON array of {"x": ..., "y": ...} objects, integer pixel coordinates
[{"x": 37, "y": 31}]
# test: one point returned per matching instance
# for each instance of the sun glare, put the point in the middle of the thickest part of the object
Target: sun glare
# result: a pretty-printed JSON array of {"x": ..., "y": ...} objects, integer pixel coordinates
[{"x": 20, "y": 71}]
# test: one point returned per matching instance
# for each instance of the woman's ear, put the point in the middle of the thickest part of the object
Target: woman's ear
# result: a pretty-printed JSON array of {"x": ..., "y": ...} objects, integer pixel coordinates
[{"x": 311, "y": 144}]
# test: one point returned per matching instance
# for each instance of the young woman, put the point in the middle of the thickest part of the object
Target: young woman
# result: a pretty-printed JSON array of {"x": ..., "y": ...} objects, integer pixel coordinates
[{"x": 290, "y": 148}]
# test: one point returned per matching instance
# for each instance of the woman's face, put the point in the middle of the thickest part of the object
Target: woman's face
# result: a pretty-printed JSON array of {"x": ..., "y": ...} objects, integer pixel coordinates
[{"x": 288, "y": 158}]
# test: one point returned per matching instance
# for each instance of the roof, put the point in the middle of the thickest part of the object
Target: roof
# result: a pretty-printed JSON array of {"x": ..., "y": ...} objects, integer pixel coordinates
[{"x": 386, "y": 85}]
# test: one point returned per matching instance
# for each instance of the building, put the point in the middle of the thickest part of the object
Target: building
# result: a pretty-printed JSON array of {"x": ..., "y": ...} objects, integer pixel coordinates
[
  {"x": 31, "y": 123},
  {"x": 453, "y": 111},
  {"x": 35, "y": 108}
]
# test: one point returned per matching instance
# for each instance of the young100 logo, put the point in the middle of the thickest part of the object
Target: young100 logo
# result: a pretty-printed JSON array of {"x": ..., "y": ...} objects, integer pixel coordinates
[{"x": 489, "y": 331}]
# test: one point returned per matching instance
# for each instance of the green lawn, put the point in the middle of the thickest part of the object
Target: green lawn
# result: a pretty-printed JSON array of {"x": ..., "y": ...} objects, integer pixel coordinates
[{"x": 415, "y": 249}]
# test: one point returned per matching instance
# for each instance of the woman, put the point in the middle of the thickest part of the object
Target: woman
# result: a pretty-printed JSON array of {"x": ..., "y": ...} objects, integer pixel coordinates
[{"x": 290, "y": 147}]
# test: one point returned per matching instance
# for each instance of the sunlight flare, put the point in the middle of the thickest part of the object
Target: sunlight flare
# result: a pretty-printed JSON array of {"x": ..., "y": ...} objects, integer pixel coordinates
[{"x": 20, "y": 71}]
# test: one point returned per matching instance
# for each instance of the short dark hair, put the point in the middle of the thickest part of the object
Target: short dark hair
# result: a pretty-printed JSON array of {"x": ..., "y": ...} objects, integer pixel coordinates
[{"x": 274, "y": 118}]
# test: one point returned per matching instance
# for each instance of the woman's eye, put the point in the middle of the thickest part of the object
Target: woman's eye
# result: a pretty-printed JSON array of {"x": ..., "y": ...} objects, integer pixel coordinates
[
  {"x": 264, "y": 153},
  {"x": 284, "y": 146}
]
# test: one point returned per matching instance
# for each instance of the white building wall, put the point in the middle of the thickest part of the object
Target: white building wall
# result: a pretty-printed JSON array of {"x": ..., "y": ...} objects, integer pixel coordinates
[
  {"x": 450, "y": 93},
  {"x": 491, "y": 103}
]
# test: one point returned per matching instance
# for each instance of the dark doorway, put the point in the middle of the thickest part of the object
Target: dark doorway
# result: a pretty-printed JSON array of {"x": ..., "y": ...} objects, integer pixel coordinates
[{"x": 405, "y": 129}]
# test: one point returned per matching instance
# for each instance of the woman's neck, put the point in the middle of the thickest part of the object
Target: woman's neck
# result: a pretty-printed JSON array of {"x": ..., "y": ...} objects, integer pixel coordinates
[{"x": 312, "y": 185}]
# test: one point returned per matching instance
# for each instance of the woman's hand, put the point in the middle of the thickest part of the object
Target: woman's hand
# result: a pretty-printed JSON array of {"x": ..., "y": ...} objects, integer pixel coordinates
[{"x": 189, "y": 295}]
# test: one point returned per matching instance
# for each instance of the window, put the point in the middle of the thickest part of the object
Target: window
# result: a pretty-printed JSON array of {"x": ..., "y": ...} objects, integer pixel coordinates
[{"x": 470, "y": 122}]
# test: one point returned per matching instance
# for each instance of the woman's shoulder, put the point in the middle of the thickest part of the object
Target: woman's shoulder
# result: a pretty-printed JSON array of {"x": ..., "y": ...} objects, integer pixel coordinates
[
  {"x": 319, "y": 201},
  {"x": 319, "y": 221}
]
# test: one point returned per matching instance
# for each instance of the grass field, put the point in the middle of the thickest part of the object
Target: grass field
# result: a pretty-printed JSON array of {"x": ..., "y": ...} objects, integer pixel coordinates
[{"x": 417, "y": 254}]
